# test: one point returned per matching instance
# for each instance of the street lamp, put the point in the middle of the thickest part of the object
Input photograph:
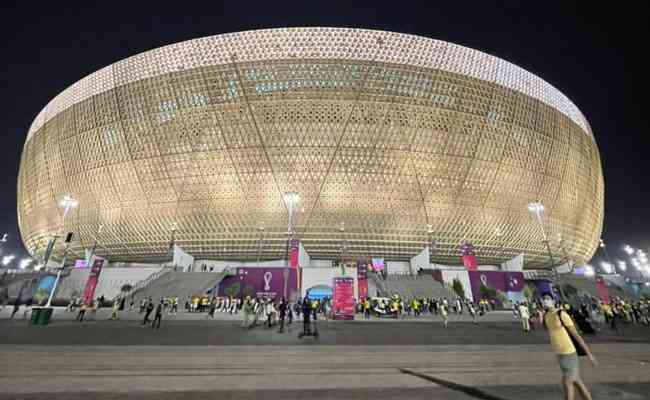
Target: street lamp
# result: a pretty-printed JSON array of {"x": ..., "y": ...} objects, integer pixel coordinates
[
  {"x": 537, "y": 210},
  {"x": 67, "y": 203},
  {"x": 290, "y": 200},
  {"x": 607, "y": 267},
  {"x": 259, "y": 245},
  {"x": 25, "y": 262},
  {"x": 7, "y": 259},
  {"x": 92, "y": 250},
  {"x": 344, "y": 247}
]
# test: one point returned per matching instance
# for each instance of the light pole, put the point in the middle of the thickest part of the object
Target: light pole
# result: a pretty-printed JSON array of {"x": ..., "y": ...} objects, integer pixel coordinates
[
  {"x": 259, "y": 245},
  {"x": 92, "y": 250},
  {"x": 564, "y": 253},
  {"x": 172, "y": 241},
  {"x": 344, "y": 246},
  {"x": 537, "y": 210},
  {"x": 290, "y": 199},
  {"x": 67, "y": 203}
]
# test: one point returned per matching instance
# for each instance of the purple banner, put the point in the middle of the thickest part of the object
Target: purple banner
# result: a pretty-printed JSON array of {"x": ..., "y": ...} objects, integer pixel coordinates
[
  {"x": 258, "y": 282},
  {"x": 93, "y": 279},
  {"x": 499, "y": 280},
  {"x": 543, "y": 286},
  {"x": 362, "y": 269}
]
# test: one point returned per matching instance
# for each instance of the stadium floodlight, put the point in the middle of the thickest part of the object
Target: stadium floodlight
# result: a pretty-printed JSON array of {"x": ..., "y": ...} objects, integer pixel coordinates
[
  {"x": 291, "y": 199},
  {"x": 622, "y": 266},
  {"x": 7, "y": 259},
  {"x": 67, "y": 203},
  {"x": 628, "y": 249},
  {"x": 24, "y": 263},
  {"x": 589, "y": 270},
  {"x": 607, "y": 267}
]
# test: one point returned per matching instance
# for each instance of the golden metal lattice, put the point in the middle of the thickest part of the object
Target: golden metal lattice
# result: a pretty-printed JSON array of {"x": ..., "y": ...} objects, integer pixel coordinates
[{"x": 388, "y": 133}]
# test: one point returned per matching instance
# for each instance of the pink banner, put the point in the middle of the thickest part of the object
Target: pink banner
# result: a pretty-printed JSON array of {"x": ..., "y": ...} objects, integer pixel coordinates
[
  {"x": 93, "y": 279},
  {"x": 362, "y": 279},
  {"x": 468, "y": 256},
  {"x": 470, "y": 263},
  {"x": 603, "y": 292},
  {"x": 343, "y": 298},
  {"x": 294, "y": 249}
]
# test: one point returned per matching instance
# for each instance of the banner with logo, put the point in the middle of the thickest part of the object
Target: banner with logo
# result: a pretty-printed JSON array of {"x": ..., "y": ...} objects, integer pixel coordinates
[
  {"x": 259, "y": 282},
  {"x": 378, "y": 264},
  {"x": 603, "y": 291},
  {"x": 294, "y": 252},
  {"x": 93, "y": 279},
  {"x": 343, "y": 298},
  {"x": 362, "y": 279},
  {"x": 498, "y": 280}
]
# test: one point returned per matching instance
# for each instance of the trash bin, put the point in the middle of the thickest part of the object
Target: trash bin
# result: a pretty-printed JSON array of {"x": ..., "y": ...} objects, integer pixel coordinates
[
  {"x": 41, "y": 315},
  {"x": 36, "y": 313}
]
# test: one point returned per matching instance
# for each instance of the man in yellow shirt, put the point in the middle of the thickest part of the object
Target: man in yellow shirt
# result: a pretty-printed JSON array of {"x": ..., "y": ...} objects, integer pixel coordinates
[{"x": 560, "y": 326}]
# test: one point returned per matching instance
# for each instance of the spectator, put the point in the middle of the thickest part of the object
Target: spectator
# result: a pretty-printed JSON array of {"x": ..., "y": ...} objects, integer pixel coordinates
[
  {"x": 564, "y": 339},
  {"x": 159, "y": 311},
  {"x": 148, "y": 310}
]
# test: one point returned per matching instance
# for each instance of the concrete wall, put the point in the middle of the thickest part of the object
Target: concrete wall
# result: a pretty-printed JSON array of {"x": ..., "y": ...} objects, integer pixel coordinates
[
  {"x": 400, "y": 267},
  {"x": 110, "y": 282},
  {"x": 321, "y": 263}
]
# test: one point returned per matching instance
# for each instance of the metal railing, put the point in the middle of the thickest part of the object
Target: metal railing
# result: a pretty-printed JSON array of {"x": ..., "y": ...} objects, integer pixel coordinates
[{"x": 144, "y": 283}]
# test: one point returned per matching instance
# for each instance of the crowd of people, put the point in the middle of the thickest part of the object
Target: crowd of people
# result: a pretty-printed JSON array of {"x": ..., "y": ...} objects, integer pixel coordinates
[
  {"x": 396, "y": 307},
  {"x": 590, "y": 313}
]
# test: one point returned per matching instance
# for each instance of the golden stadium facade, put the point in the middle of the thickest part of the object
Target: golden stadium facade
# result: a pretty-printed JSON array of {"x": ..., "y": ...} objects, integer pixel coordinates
[{"x": 392, "y": 141}]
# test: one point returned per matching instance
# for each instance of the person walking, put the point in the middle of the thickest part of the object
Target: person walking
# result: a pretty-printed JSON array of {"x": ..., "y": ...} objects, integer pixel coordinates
[
  {"x": 445, "y": 315},
  {"x": 159, "y": 311},
  {"x": 473, "y": 313},
  {"x": 566, "y": 343},
  {"x": 283, "y": 312},
  {"x": 148, "y": 309},
  {"x": 306, "y": 313},
  {"x": 116, "y": 309},
  {"x": 212, "y": 309},
  {"x": 82, "y": 312},
  {"x": 289, "y": 313},
  {"x": 524, "y": 314}
]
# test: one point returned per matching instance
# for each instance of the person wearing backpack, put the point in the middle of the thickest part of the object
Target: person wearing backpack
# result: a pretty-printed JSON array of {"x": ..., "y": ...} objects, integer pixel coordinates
[{"x": 567, "y": 345}]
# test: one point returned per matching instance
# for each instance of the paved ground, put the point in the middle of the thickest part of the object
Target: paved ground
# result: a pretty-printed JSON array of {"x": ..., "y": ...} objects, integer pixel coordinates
[{"x": 197, "y": 359}]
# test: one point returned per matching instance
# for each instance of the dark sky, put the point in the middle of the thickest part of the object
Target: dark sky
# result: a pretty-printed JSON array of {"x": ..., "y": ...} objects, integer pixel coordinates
[{"x": 594, "y": 53}]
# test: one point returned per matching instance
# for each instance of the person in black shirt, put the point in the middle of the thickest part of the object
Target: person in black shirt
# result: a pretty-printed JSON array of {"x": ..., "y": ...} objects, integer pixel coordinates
[
  {"x": 306, "y": 313},
  {"x": 283, "y": 312},
  {"x": 148, "y": 310},
  {"x": 158, "y": 317}
]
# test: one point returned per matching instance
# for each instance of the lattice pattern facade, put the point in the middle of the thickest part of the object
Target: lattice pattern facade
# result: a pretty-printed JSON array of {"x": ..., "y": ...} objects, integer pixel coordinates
[{"x": 384, "y": 132}]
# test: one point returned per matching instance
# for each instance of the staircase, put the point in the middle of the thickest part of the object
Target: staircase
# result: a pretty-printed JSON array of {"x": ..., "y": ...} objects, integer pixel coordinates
[
  {"x": 410, "y": 286},
  {"x": 181, "y": 284}
]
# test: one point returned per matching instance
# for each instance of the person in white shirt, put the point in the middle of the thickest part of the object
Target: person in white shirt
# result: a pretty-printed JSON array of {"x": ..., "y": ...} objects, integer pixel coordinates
[{"x": 524, "y": 314}]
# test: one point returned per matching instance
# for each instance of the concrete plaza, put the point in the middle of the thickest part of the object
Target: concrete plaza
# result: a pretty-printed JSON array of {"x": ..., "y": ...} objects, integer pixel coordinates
[{"x": 199, "y": 359}]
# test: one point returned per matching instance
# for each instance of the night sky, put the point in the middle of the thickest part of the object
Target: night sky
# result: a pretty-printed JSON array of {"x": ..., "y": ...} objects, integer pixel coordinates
[{"x": 594, "y": 53}]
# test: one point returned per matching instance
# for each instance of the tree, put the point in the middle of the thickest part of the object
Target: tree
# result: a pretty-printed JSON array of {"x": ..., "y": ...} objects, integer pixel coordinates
[
  {"x": 487, "y": 293},
  {"x": 458, "y": 288},
  {"x": 233, "y": 290},
  {"x": 249, "y": 290},
  {"x": 529, "y": 292}
]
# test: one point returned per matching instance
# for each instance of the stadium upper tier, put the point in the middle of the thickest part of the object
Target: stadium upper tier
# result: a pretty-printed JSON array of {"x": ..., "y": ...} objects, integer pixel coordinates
[{"x": 392, "y": 141}]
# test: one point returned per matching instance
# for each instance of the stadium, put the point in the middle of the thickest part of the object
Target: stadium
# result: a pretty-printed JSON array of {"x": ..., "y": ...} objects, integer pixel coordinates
[{"x": 393, "y": 142}]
